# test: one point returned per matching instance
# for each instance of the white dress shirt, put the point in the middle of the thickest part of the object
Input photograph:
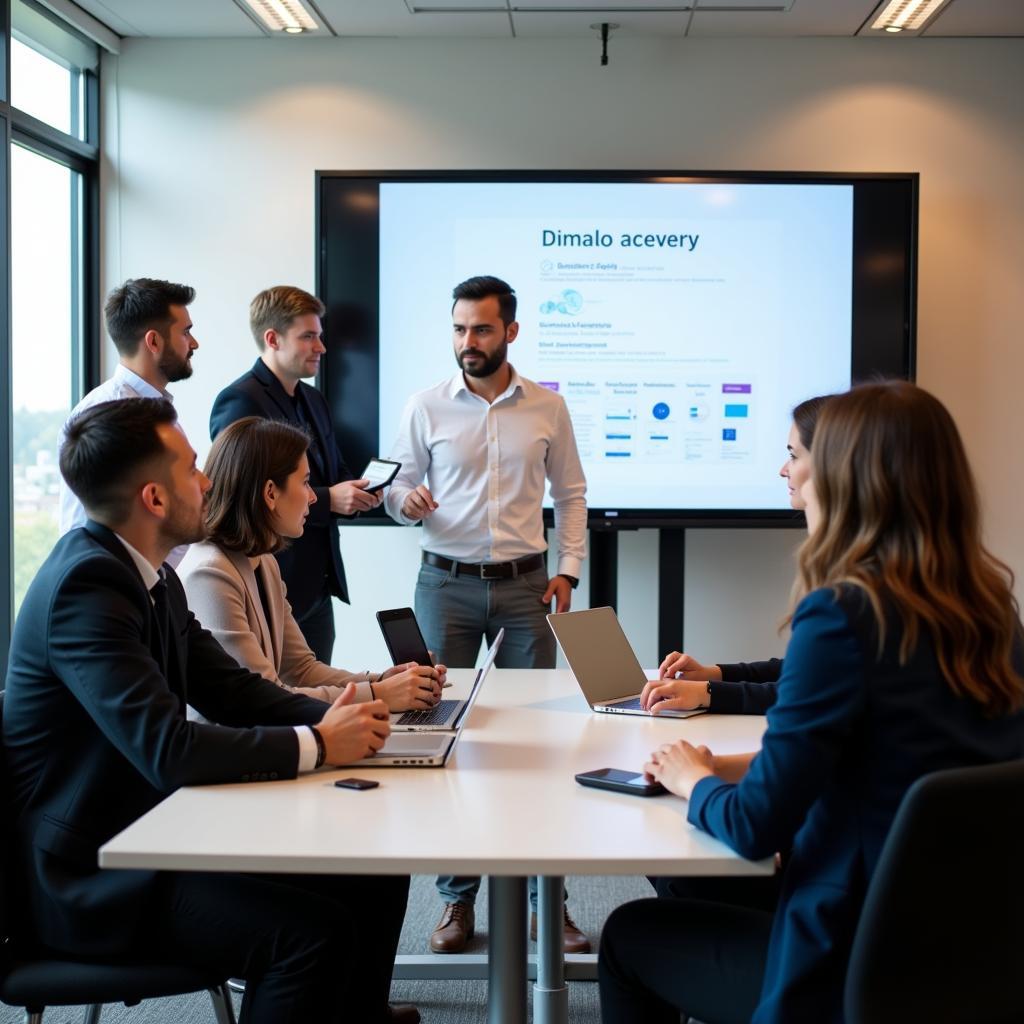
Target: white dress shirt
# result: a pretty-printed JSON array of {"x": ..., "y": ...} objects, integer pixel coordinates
[
  {"x": 124, "y": 383},
  {"x": 486, "y": 465},
  {"x": 150, "y": 578}
]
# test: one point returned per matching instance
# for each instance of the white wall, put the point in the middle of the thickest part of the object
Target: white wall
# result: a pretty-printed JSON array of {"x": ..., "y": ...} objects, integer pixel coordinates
[{"x": 210, "y": 149}]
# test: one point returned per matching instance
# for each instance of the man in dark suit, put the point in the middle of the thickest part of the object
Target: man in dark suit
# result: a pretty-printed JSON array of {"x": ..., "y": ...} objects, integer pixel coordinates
[
  {"x": 285, "y": 322},
  {"x": 104, "y": 658}
]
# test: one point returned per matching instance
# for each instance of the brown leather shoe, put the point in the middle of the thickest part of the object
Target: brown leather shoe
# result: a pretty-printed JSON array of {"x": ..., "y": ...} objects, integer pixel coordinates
[
  {"x": 573, "y": 940},
  {"x": 454, "y": 930},
  {"x": 403, "y": 1013}
]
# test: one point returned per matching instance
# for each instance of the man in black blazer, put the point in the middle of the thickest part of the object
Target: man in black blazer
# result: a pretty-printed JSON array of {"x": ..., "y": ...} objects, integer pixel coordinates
[
  {"x": 285, "y": 322},
  {"x": 104, "y": 658}
]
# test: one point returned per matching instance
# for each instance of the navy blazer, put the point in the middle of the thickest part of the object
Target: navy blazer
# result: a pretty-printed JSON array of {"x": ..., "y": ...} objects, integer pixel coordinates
[
  {"x": 849, "y": 734},
  {"x": 95, "y": 732},
  {"x": 317, "y": 551}
]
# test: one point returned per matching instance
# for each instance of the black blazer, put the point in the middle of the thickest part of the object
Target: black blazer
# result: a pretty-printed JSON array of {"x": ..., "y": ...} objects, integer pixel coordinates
[
  {"x": 95, "y": 732},
  {"x": 303, "y": 564},
  {"x": 747, "y": 688}
]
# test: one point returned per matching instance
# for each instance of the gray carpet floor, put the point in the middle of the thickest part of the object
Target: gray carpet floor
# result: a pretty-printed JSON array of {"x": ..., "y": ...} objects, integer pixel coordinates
[{"x": 440, "y": 1002}]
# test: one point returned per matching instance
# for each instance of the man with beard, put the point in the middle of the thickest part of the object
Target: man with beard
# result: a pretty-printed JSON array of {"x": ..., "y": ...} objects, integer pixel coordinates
[
  {"x": 475, "y": 452},
  {"x": 148, "y": 322},
  {"x": 104, "y": 658}
]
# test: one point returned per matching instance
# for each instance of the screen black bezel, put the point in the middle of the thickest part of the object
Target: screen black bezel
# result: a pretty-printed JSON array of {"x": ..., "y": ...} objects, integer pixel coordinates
[{"x": 883, "y": 329}]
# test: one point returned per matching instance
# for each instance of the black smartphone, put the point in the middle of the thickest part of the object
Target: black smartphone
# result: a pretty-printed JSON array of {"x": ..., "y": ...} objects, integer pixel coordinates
[
  {"x": 356, "y": 784},
  {"x": 403, "y": 637},
  {"x": 379, "y": 473},
  {"x": 622, "y": 782}
]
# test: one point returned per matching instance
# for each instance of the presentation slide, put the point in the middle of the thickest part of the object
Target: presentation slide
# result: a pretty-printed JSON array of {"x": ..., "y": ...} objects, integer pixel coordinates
[{"x": 680, "y": 322}]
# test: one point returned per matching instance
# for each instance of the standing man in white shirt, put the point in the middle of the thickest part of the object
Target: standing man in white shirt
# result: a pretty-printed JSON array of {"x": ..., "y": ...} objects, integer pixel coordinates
[
  {"x": 475, "y": 452},
  {"x": 149, "y": 323}
]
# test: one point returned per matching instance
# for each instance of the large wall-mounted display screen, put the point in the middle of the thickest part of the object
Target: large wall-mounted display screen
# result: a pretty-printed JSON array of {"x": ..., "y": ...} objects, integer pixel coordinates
[{"x": 680, "y": 317}]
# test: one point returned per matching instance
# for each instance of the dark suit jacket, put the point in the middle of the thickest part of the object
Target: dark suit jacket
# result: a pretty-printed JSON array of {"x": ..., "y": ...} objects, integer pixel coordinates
[
  {"x": 849, "y": 734},
  {"x": 747, "y": 688},
  {"x": 303, "y": 564},
  {"x": 95, "y": 732}
]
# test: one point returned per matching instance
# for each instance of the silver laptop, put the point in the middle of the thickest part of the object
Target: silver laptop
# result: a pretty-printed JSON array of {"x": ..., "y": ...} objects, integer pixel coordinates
[
  {"x": 445, "y": 714},
  {"x": 603, "y": 662},
  {"x": 430, "y": 749}
]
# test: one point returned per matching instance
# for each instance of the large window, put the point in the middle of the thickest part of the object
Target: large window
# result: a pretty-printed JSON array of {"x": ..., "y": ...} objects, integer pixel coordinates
[
  {"x": 50, "y": 334},
  {"x": 45, "y": 244}
]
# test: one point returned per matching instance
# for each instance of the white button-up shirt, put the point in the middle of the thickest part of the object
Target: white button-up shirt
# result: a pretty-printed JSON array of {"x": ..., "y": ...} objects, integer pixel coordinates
[
  {"x": 486, "y": 466},
  {"x": 123, "y": 384}
]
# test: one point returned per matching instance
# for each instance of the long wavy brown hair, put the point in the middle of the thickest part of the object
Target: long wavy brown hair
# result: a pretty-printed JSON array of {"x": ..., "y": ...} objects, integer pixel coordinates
[{"x": 900, "y": 519}]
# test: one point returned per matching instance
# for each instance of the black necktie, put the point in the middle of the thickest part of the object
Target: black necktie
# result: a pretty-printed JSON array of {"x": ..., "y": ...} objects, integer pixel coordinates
[{"x": 161, "y": 613}]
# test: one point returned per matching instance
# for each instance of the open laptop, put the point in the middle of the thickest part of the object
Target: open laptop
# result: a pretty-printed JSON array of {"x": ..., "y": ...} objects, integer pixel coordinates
[
  {"x": 445, "y": 714},
  {"x": 430, "y": 749},
  {"x": 603, "y": 662}
]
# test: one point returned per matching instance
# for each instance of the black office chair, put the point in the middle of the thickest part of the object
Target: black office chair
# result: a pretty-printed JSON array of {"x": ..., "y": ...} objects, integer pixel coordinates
[
  {"x": 941, "y": 935},
  {"x": 35, "y": 982}
]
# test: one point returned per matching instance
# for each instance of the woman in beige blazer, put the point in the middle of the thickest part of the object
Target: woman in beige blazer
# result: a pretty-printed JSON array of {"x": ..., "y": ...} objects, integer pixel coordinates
[{"x": 259, "y": 500}]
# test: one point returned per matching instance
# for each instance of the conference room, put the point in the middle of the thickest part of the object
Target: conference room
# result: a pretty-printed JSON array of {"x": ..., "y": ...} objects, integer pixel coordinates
[{"x": 194, "y": 144}]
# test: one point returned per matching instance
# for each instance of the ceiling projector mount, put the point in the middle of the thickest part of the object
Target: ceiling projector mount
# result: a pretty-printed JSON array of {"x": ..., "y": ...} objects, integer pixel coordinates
[{"x": 604, "y": 27}]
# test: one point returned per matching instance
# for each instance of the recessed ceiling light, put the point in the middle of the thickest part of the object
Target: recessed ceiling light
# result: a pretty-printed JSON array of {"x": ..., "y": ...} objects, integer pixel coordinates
[
  {"x": 910, "y": 15},
  {"x": 283, "y": 15}
]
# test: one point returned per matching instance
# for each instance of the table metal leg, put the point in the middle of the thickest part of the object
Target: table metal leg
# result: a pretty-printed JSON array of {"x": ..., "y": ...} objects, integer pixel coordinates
[
  {"x": 550, "y": 993},
  {"x": 506, "y": 964}
]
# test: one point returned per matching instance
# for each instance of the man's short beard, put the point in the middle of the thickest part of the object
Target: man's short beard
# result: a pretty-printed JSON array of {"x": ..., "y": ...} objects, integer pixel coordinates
[
  {"x": 173, "y": 367},
  {"x": 490, "y": 365}
]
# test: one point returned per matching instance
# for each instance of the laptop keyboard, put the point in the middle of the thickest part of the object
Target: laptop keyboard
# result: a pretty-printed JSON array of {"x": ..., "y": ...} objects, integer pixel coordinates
[
  {"x": 430, "y": 716},
  {"x": 633, "y": 704}
]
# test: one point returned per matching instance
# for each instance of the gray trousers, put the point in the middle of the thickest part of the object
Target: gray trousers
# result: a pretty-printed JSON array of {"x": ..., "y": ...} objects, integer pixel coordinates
[{"x": 455, "y": 614}]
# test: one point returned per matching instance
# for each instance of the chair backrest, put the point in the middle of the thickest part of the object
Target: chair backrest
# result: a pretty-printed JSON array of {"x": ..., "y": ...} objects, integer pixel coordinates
[{"x": 941, "y": 934}]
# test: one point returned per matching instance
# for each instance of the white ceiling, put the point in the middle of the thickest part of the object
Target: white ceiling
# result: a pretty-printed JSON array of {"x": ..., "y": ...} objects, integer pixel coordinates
[{"x": 226, "y": 19}]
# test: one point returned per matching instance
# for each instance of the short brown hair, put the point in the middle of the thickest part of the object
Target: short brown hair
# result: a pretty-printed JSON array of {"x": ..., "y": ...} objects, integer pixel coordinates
[
  {"x": 275, "y": 309},
  {"x": 244, "y": 457}
]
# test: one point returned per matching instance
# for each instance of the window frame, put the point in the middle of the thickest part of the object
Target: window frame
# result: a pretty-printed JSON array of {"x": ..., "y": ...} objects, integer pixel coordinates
[{"x": 83, "y": 157}]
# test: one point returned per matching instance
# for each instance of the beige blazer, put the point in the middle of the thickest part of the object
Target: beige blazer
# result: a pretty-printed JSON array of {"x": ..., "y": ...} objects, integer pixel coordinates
[{"x": 222, "y": 593}]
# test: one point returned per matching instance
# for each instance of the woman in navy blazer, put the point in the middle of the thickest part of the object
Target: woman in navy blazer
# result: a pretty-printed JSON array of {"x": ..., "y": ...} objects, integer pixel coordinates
[
  {"x": 740, "y": 688},
  {"x": 905, "y": 658}
]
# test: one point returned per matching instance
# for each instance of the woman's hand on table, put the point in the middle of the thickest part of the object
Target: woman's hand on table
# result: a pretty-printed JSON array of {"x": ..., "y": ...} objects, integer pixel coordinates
[{"x": 680, "y": 766}]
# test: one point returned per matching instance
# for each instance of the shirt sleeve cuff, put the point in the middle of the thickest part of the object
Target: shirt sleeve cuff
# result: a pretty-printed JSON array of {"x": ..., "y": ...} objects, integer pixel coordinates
[
  {"x": 307, "y": 748},
  {"x": 569, "y": 566}
]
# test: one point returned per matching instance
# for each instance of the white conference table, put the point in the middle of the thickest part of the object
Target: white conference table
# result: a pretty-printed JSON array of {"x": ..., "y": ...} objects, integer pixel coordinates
[{"x": 506, "y": 806}]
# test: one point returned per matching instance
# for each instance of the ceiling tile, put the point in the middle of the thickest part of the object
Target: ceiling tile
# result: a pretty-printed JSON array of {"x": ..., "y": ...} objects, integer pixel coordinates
[
  {"x": 397, "y": 18},
  {"x": 578, "y": 25},
  {"x": 180, "y": 19},
  {"x": 979, "y": 18},
  {"x": 804, "y": 18}
]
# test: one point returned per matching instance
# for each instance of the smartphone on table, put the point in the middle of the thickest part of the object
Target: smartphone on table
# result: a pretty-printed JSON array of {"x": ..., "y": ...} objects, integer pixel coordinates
[{"x": 622, "y": 782}]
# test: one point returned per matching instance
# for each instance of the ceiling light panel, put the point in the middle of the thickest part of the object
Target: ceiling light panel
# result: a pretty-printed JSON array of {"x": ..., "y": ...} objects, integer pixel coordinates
[
  {"x": 289, "y": 17},
  {"x": 905, "y": 16}
]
